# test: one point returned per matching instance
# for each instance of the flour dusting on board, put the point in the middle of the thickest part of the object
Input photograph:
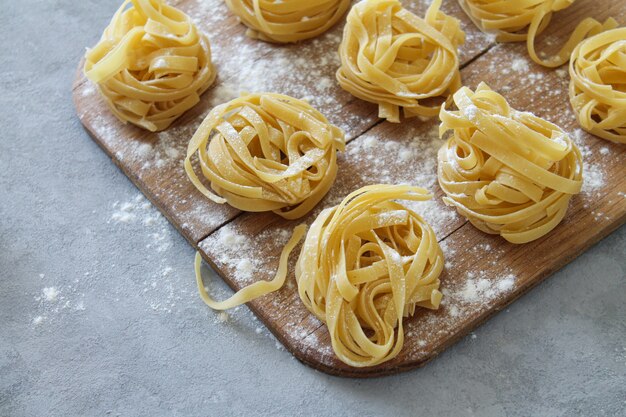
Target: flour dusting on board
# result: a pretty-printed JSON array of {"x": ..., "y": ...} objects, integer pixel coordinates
[{"x": 409, "y": 158}]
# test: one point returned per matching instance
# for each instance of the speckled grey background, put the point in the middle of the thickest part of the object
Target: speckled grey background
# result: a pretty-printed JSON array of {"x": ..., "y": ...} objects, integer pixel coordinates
[{"x": 122, "y": 331}]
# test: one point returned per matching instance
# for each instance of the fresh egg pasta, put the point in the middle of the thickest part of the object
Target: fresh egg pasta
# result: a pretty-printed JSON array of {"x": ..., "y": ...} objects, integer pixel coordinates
[
  {"x": 510, "y": 173},
  {"x": 597, "y": 87},
  {"x": 366, "y": 264},
  {"x": 151, "y": 64},
  {"x": 397, "y": 60},
  {"x": 266, "y": 152},
  {"x": 519, "y": 21},
  {"x": 288, "y": 21}
]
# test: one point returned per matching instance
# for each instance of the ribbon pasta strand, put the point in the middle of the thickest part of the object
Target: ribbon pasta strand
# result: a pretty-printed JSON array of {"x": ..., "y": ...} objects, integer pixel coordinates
[
  {"x": 288, "y": 21},
  {"x": 266, "y": 152},
  {"x": 257, "y": 289},
  {"x": 397, "y": 60},
  {"x": 151, "y": 64},
  {"x": 509, "y": 172},
  {"x": 519, "y": 21},
  {"x": 597, "y": 87},
  {"x": 365, "y": 265}
]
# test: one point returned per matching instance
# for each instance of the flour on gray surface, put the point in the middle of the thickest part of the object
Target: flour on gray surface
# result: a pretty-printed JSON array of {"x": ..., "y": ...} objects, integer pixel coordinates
[
  {"x": 50, "y": 294},
  {"x": 54, "y": 300},
  {"x": 158, "y": 288}
]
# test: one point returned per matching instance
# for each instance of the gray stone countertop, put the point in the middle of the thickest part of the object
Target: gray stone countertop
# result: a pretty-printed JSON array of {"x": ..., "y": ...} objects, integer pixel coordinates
[{"x": 102, "y": 318}]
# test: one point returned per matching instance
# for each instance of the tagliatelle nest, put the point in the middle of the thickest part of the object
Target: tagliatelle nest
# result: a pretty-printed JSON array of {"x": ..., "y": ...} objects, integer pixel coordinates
[
  {"x": 288, "y": 21},
  {"x": 510, "y": 173},
  {"x": 598, "y": 84},
  {"x": 397, "y": 60},
  {"x": 364, "y": 266},
  {"x": 151, "y": 65},
  {"x": 266, "y": 152}
]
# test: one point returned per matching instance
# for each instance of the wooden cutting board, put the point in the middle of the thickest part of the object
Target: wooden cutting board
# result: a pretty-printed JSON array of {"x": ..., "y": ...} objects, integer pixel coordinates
[{"x": 483, "y": 273}]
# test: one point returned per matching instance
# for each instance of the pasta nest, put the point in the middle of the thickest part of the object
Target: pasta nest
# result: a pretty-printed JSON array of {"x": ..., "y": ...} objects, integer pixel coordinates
[
  {"x": 510, "y": 173},
  {"x": 151, "y": 64},
  {"x": 288, "y": 21},
  {"x": 519, "y": 21},
  {"x": 364, "y": 265},
  {"x": 597, "y": 87},
  {"x": 266, "y": 152},
  {"x": 397, "y": 60}
]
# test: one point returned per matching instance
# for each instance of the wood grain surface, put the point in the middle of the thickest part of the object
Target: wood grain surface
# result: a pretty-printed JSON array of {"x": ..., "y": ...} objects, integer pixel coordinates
[{"x": 234, "y": 243}]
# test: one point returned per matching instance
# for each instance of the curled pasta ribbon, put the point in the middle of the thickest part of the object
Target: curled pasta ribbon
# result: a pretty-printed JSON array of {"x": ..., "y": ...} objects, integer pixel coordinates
[
  {"x": 259, "y": 288},
  {"x": 397, "y": 60},
  {"x": 519, "y": 21},
  {"x": 288, "y": 21},
  {"x": 597, "y": 87},
  {"x": 364, "y": 266},
  {"x": 266, "y": 152},
  {"x": 509, "y": 172},
  {"x": 151, "y": 64}
]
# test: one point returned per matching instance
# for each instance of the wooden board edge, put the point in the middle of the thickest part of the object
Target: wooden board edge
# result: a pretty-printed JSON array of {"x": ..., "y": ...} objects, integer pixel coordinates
[
  {"x": 136, "y": 180},
  {"x": 382, "y": 371}
]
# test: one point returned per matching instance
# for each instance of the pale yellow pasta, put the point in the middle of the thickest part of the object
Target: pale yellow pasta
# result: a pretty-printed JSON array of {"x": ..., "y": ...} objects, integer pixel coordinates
[
  {"x": 289, "y": 20},
  {"x": 364, "y": 266},
  {"x": 510, "y": 173},
  {"x": 257, "y": 289},
  {"x": 266, "y": 152},
  {"x": 397, "y": 60},
  {"x": 151, "y": 64},
  {"x": 597, "y": 87},
  {"x": 524, "y": 20}
]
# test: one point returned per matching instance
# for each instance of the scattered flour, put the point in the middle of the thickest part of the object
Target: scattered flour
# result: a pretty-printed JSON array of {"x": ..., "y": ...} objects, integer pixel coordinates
[
  {"x": 50, "y": 294},
  {"x": 470, "y": 112},
  {"x": 593, "y": 174},
  {"x": 222, "y": 317},
  {"x": 483, "y": 288},
  {"x": 520, "y": 65}
]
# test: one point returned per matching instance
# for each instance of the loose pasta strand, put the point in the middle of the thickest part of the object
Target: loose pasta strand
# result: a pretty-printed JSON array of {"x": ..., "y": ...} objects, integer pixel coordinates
[{"x": 257, "y": 289}]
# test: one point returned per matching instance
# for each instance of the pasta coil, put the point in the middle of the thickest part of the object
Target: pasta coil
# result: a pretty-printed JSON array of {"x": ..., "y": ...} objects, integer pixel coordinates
[
  {"x": 510, "y": 173},
  {"x": 288, "y": 21},
  {"x": 151, "y": 64},
  {"x": 397, "y": 60},
  {"x": 597, "y": 88},
  {"x": 364, "y": 266},
  {"x": 519, "y": 21},
  {"x": 266, "y": 152}
]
